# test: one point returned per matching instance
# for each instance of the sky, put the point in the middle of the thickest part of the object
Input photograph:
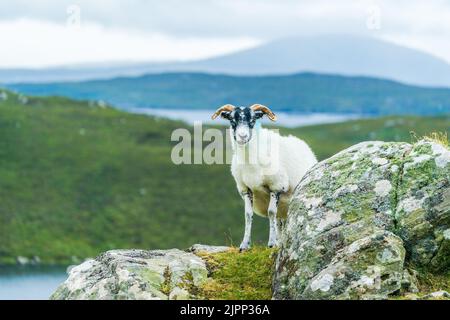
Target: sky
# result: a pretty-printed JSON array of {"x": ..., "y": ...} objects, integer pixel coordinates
[{"x": 43, "y": 33}]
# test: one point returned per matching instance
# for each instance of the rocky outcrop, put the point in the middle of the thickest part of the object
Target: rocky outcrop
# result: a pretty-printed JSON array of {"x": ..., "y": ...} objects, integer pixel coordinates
[
  {"x": 137, "y": 275},
  {"x": 361, "y": 225},
  {"x": 358, "y": 217}
]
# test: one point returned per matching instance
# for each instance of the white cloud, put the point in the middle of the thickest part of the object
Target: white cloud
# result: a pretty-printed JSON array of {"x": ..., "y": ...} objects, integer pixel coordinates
[
  {"x": 180, "y": 29},
  {"x": 34, "y": 43}
]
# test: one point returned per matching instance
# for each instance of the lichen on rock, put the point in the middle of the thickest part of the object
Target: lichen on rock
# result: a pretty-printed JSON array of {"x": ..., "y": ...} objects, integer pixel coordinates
[
  {"x": 381, "y": 205},
  {"x": 134, "y": 275},
  {"x": 423, "y": 212}
]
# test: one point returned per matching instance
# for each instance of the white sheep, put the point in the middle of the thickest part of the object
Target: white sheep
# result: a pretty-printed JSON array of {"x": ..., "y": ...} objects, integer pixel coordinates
[{"x": 266, "y": 167}]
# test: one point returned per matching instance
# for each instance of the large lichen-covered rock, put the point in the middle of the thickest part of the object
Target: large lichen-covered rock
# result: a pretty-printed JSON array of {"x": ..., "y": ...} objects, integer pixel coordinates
[
  {"x": 423, "y": 210},
  {"x": 356, "y": 217},
  {"x": 135, "y": 275}
]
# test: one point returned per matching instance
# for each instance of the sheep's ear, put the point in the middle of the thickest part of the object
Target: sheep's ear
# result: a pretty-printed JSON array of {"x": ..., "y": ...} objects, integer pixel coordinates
[
  {"x": 259, "y": 108},
  {"x": 224, "y": 111},
  {"x": 226, "y": 115},
  {"x": 259, "y": 114}
]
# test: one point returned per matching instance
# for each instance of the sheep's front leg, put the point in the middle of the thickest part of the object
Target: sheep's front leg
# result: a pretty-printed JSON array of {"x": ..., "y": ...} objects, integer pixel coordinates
[
  {"x": 248, "y": 200},
  {"x": 272, "y": 213}
]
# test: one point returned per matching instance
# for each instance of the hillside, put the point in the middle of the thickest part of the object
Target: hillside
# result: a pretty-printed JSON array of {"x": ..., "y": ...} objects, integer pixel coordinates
[
  {"x": 304, "y": 92},
  {"x": 349, "y": 55},
  {"x": 328, "y": 139},
  {"x": 78, "y": 178}
]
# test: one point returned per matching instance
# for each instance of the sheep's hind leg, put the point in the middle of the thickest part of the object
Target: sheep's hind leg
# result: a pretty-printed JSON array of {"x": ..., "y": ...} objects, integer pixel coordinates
[
  {"x": 248, "y": 200},
  {"x": 272, "y": 213}
]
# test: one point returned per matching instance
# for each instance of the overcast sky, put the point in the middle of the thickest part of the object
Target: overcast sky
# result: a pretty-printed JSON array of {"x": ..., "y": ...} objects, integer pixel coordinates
[{"x": 42, "y": 33}]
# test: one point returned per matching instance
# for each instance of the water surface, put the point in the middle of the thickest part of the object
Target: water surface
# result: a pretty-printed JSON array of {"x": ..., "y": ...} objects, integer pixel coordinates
[
  {"x": 30, "y": 283},
  {"x": 285, "y": 119}
]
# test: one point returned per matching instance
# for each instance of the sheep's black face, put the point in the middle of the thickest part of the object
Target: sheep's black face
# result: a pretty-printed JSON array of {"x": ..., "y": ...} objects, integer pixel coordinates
[{"x": 242, "y": 121}]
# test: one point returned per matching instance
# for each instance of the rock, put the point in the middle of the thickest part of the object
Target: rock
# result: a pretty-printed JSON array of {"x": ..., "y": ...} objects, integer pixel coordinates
[
  {"x": 196, "y": 248},
  {"x": 134, "y": 275},
  {"x": 356, "y": 217},
  {"x": 23, "y": 99},
  {"x": 370, "y": 270},
  {"x": 22, "y": 261},
  {"x": 178, "y": 293},
  {"x": 410, "y": 284},
  {"x": 3, "y": 96},
  {"x": 411, "y": 296},
  {"x": 423, "y": 209},
  {"x": 36, "y": 260},
  {"x": 69, "y": 268},
  {"x": 437, "y": 295},
  {"x": 102, "y": 104}
]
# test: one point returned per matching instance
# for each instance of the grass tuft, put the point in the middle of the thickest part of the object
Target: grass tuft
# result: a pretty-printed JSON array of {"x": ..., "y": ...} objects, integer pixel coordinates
[
  {"x": 239, "y": 276},
  {"x": 429, "y": 282},
  {"x": 437, "y": 136}
]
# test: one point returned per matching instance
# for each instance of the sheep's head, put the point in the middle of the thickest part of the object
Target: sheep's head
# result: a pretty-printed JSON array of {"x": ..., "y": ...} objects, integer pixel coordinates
[{"x": 243, "y": 119}]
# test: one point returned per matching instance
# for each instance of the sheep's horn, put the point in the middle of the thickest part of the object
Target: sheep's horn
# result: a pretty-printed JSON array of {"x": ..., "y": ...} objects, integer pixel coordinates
[
  {"x": 227, "y": 107},
  {"x": 267, "y": 111}
]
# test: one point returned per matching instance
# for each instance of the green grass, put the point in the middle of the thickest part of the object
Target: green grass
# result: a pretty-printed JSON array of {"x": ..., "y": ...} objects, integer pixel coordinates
[
  {"x": 239, "y": 276},
  {"x": 427, "y": 284},
  {"x": 330, "y": 138},
  {"x": 77, "y": 179},
  {"x": 439, "y": 137},
  {"x": 248, "y": 276}
]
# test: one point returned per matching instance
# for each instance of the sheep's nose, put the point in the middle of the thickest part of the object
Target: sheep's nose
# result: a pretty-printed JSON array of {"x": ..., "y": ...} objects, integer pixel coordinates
[{"x": 242, "y": 136}]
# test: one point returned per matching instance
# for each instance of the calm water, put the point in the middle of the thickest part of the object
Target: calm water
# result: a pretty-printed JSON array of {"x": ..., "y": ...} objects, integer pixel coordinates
[
  {"x": 284, "y": 119},
  {"x": 29, "y": 283}
]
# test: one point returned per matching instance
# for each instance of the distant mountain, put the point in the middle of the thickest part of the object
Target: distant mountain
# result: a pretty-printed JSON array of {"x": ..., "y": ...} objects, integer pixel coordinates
[
  {"x": 344, "y": 55},
  {"x": 305, "y": 92},
  {"x": 334, "y": 54}
]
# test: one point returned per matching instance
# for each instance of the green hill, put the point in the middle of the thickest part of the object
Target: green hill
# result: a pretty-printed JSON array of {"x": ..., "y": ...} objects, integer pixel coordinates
[
  {"x": 77, "y": 178},
  {"x": 304, "y": 92},
  {"x": 328, "y": 139}
]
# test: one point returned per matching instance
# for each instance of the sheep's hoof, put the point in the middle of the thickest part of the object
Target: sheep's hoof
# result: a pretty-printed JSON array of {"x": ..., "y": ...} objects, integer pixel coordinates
[
  {"x": 272, "y": 245},
  {"x": 243, "y": 248}
]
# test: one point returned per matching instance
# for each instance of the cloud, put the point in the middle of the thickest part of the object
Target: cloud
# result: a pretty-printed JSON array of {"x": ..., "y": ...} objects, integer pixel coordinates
[
  {"x": 34, "y": 43},
  {"x": 180, "y": 29},
  {"x": 255, "y": 18}
]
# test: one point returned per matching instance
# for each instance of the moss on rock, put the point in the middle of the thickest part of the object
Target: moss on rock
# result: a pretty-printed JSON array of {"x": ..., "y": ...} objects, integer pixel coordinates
[
  {"x": 393, "y": 196},
  {"x": 239, "y": 276}
]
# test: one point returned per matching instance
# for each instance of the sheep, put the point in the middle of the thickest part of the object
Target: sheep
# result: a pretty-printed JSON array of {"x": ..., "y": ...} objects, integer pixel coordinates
[{"x": 265, "y": 184}]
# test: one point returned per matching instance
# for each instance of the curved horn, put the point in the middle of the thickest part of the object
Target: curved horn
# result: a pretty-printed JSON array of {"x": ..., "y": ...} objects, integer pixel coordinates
[
  {"x": 227, "y": 107},
  {"x": 267, "y": 111}
]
